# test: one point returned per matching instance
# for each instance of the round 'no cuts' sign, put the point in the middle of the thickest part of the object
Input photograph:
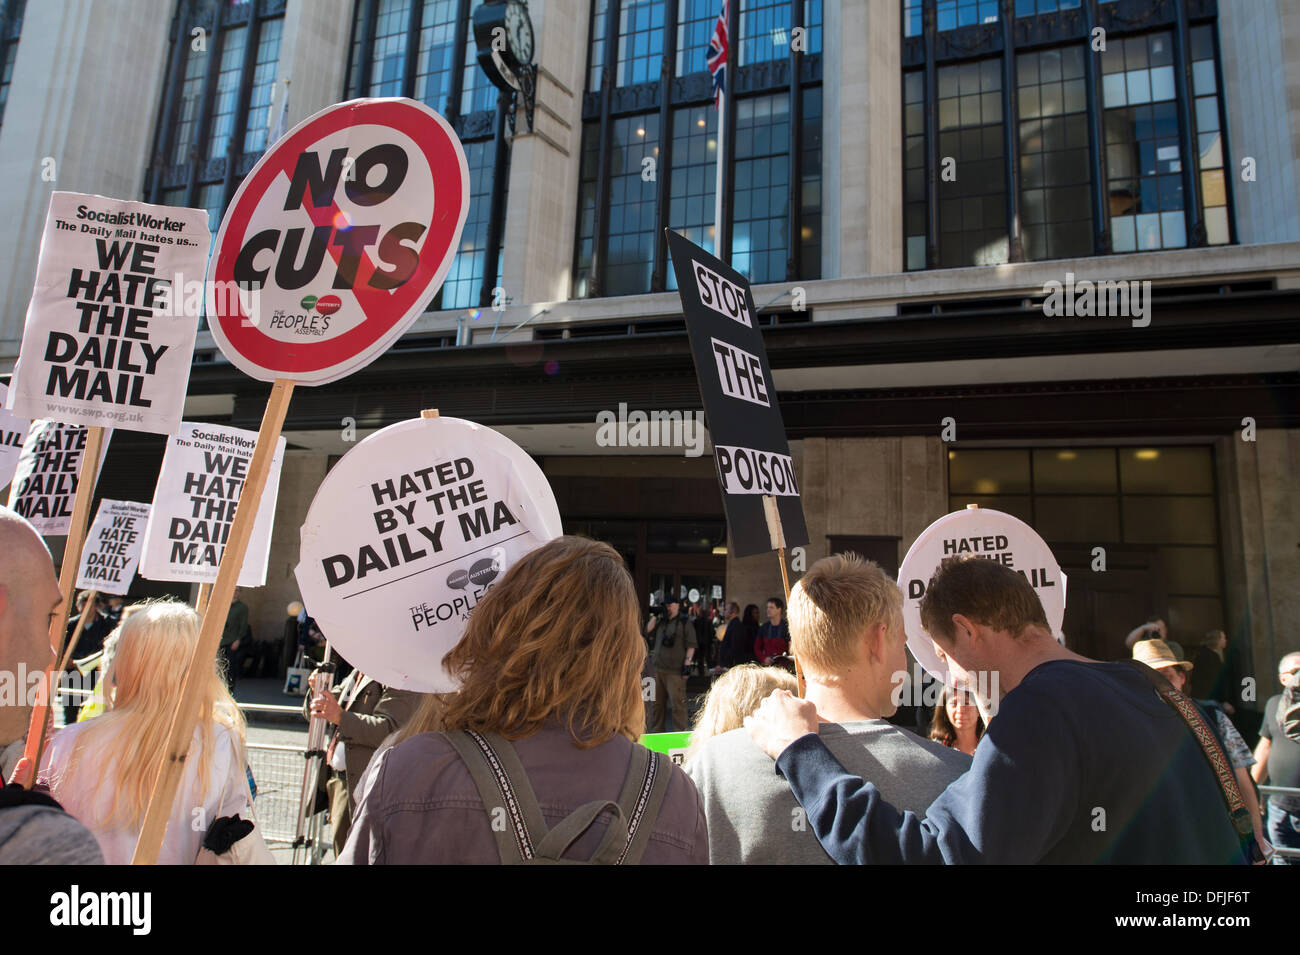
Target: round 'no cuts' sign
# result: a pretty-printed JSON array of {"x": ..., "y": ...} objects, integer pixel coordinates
[{"x": 337, "y": 240}]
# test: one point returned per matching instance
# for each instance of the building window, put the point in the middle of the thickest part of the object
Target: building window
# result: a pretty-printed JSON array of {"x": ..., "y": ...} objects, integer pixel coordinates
[
  {"x": 640, "y": 41},
  {"x": 1125, "y": 192},
  {"x": 450, "y": 81},
  {"x": 437, "y": 53},
  {"x": 632, "y": 205},
  {"x": 694, "y": 185},
  {"x": 218, "y": 108},
  {"x": 764, "y": 33},
  {"x": 762, "y": 177},
  {"x": 914, "y": 192},
  {"x": 952, "y": 14},
  {"x": 1209, "y": 142},
  {"x": 231, "y": 64},
  {"x": 1158, "y": 500},
  {"x": 462, "y": 286},
  {"x": 11, "y": 28},
  {"x": 912, "y": 17},
  {"x": 1143, "y": 156},
  {"x": 972, "y": 200},
  {"x": 696, "y": 20},
  {"x": 261, "y": 116},
  {"x": 588, "y": 179},
  {"x": 1028, "y": 8},
  {"x": 1055, "y": 182},
  {"x": 619, "y": 248}
]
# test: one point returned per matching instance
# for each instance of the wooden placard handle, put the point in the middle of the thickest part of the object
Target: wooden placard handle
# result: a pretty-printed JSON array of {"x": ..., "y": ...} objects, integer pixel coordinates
[
  {"x": 773, "y": 517},
  {"x": 201, "y": 600},
  {"x": 92, "y": 596},
  {"x": 86, "y": 476},
  {"x": 202, "y": 660}
]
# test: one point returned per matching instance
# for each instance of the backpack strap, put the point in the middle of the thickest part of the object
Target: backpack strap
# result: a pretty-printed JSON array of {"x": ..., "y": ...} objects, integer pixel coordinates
[
  {"x": 566, "y": 833},
  {"x": 643, "y": 794},
  {"x": 500, "y": 779},
  {"x": 1213, "y": 752}
]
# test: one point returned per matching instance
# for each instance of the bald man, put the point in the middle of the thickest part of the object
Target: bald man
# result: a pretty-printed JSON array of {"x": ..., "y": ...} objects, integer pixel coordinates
[{"x": 34, "y": 829}]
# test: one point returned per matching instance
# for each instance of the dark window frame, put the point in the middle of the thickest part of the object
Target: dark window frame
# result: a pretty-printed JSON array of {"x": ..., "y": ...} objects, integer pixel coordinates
[
  {"x": 474, "y": 128},
  {"x": 195, "y": 174},
  {"x": 1062, "y": 27},
  {"x": 601, "y": 107}
]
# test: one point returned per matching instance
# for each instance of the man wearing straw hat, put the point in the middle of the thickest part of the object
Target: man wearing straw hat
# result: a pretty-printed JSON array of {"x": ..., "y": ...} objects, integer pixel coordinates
[{"x": 1157, "y": 654}]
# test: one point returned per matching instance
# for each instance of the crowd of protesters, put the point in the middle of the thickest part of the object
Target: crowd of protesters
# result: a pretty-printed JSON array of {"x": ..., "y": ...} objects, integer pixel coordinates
[{"x": 536, "y": 757}]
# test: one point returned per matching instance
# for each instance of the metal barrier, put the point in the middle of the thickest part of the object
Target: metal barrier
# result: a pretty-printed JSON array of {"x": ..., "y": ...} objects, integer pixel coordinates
[{"x": 277, "y": 771}]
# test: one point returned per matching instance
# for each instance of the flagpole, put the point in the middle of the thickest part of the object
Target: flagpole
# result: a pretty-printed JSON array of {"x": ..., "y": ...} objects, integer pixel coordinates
[{"x": 718, "y": 179}]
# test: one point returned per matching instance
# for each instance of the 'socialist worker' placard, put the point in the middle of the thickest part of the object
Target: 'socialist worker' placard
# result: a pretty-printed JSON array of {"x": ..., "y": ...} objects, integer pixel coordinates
[
  {"x": 749, "y": 444},
  {"x": 989, "y": 535},
  {"x": 110, "y": 329},
  {"x": 203, "y": 473},
  {"x": 346, "y": 227},
  {"x": 13, "y": 432},
  {"x": 405, "y": 536},
  {"x": 113, "y": 547},
  {"x": 44, "y": 488}
]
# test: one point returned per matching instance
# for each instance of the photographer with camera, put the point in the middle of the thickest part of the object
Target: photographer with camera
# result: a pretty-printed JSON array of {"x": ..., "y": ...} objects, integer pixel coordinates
[
  {"x": 1153, "y": 629},
  {"x": 672, "y": 653}
]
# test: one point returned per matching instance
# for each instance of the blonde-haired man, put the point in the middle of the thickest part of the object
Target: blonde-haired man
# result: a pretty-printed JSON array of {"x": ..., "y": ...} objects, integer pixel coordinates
[{"x": 846, "y": 629}]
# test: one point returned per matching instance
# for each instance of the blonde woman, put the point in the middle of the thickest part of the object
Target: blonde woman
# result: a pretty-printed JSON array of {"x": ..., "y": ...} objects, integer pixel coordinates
[
  {"x": 557, "y": 699},
  {"x": 103, "y": 770},
  {"x": 733, "y": 696}
]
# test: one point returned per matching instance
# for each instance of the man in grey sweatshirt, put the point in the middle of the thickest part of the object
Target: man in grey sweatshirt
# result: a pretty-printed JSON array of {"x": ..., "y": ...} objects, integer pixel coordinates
[{"x": 846, "y": 628}]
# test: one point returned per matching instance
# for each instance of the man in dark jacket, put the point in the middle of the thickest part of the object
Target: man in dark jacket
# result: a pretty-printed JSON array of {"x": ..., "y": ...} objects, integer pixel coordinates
[
  {"x": 734, "y": 650},
  {"x": 1083, "y": 763}
]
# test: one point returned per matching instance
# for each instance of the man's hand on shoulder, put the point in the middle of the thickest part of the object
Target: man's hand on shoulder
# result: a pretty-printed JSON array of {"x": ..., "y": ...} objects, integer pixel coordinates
[{"x": 780, "y": 720}]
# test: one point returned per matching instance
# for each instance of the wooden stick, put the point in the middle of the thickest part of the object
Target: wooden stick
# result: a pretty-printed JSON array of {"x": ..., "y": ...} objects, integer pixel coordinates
[
  {"x": 777, "y": 534},
  {"x": 91, "y": 598},
  {"x": 201, "y": 601},
  {"x": 172, "y": 759},
  {"x": 86, "y": 476}
]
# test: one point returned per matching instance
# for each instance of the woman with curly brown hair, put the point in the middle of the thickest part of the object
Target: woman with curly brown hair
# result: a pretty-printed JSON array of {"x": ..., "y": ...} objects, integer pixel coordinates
[{"x": 535, "y": 758}]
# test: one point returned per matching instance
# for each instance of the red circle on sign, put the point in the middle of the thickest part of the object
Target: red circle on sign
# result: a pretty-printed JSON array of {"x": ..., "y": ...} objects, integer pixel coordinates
[
  {"x": 329, "y": 304},
  {"x": 387, "y": 313}
]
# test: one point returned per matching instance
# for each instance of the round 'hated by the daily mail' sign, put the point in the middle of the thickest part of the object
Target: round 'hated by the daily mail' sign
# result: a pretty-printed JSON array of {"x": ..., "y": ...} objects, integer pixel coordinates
[
  {"x": 405, "y": 536},
  {"x": 987, "y": 534},
  {"x": 337, "y": 240}
]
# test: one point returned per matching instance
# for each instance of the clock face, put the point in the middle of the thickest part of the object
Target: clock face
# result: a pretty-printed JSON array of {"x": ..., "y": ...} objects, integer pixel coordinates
[{"x": 519, "y": 32}]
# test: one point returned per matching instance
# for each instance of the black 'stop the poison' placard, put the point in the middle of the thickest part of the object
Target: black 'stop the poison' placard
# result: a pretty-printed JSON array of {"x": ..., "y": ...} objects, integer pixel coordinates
[{"x": 749, "y": 445}]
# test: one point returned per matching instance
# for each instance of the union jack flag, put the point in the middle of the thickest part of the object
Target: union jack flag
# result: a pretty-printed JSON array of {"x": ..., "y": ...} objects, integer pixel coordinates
[{"x": 718, "y": 55}]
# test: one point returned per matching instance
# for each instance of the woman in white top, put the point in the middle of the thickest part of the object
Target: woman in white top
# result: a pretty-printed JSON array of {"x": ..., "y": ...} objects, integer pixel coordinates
[{"x": 102, "y": 771}]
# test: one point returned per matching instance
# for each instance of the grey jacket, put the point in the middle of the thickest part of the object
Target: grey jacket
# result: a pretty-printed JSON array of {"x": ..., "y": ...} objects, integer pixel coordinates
[
  {"x": 753, "y": 816},
  {"x": 420, "y": 805}
]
